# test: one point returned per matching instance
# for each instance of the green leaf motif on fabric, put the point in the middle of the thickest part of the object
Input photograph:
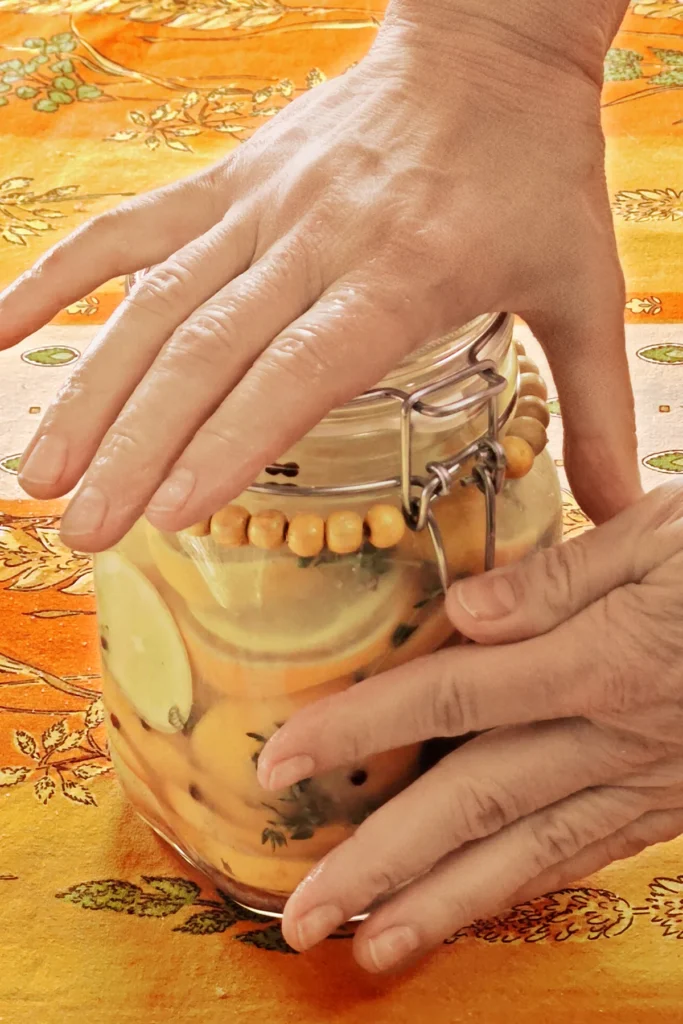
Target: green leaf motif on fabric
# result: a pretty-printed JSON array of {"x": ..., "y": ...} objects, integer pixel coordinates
[
  {"x": 175, "y": 888},
  {"x": 167, "y": 896},
  {"x": 51, "y": 355},
  {"x": 10, "y": 464},
  {"x": 270, "y": 938},
  {"x": 12, "y": 776},
  {"x": 622, "y": 65},
  {"x": 209, "y": 922},
  {"x": 672, "y": 75},
  {"x": 108, "y": 894},
  {"x": 669, "y": 354},
  {"x": 665, "y": 462}
]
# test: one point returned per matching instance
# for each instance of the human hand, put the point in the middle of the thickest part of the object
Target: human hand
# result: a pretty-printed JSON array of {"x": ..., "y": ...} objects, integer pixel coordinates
[
  {"x": 457, "y": 170},
  {"x": 583, "y": 763}
]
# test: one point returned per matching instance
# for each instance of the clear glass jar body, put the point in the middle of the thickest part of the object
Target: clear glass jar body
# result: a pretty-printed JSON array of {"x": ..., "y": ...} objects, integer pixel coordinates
[{"x": 208, "y": 649}]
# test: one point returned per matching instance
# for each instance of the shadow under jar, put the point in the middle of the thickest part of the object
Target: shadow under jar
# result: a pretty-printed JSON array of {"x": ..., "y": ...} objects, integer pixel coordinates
[{"x": 329, "y": 570}]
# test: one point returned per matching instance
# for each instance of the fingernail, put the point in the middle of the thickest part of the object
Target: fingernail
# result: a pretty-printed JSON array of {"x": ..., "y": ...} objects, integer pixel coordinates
[
  {"x": 174, "y": 492},
  {"x": 86, "y": 513},
  {"x": 486, "y": 597},
  {"x": 392, "y": 946},
  {"x": 288, "y": 772},
  {"x": 317, "y": 924},
  {"x": 46, "y": 462}
]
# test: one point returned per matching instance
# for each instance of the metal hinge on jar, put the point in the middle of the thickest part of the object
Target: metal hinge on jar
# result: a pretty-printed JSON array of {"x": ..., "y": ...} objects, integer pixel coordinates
[{"x": 418, "y": 493}]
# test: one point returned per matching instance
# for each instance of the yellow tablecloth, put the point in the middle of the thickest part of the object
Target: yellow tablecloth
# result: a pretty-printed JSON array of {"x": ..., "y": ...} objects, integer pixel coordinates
[{"x": 99, "y": 922}]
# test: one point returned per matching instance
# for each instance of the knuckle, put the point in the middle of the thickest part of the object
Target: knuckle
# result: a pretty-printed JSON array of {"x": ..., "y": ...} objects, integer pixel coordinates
[
  {"x": 638, "y": 651},
  {"x": 380, "y": 874},
  {"x": 665, "y": 504},
  {"x": 106, "y": 228},
  {"x": 482, "y": 807},
  {"x": 449, "y": 709},
  {"x": 618, "y": 658},
  {"x": 122, "y": 446},
  {"x": 163, "y": 287},
  {"x": 300, "y": 354},
  {"x": 558, "y": 840},
  {"x": 207, "y": 339},
  {"x": 564, "y": 576}
]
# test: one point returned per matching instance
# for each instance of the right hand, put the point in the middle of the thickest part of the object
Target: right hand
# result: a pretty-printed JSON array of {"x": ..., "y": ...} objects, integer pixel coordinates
[{"x": 449, "y": 174}]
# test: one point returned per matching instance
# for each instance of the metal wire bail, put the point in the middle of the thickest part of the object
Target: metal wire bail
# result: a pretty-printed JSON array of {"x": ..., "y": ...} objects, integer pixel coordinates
[{"x": 418, "y": 493}]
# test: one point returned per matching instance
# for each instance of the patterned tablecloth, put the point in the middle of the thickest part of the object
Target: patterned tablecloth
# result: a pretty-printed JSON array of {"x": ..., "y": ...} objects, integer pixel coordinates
[{"x": 99, "y": 922}]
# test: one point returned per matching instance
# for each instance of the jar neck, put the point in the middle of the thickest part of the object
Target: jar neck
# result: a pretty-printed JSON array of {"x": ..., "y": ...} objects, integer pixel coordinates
[{"x": 361, "y": 442}]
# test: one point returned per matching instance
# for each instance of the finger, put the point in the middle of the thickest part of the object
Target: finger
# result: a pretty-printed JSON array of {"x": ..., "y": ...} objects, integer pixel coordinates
[
  {"x": 137, "y": 234},
  {"x": 648, "y": 830},
  {"x": 125, "y": 349},
  {"x": 472, "y": 793},
  {"x": 342, "y": 345},
  {"x": 539, "y": 593},
  {"x": 485, "y": 877},
  {"x": 202, "y": 362},
  {"x": 586, "y": 350},
  {"x": 455, "y": 692}
]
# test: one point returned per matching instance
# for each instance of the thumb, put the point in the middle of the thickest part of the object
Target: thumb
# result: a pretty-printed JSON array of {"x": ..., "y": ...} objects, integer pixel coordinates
[
  {"x": 541, "y": 592},
  {"x": 585, "y": 347}
]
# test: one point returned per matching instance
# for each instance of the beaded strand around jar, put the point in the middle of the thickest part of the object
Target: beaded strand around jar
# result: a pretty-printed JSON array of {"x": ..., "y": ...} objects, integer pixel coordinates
[{"x": 345, "y": 532}]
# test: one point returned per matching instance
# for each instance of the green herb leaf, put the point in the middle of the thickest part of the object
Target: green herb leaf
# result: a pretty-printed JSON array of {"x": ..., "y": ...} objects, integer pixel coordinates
[
  {"x": 402, "y": 633},
  {"x": 302, "y": 833}
]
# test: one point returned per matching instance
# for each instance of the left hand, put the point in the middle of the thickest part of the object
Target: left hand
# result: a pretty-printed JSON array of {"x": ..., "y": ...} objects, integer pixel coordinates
[{"x": 582, "y": 691}]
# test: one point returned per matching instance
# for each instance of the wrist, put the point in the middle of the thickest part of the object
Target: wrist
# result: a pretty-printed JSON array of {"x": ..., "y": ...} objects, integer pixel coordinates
[{"x": 574, "y": 34}]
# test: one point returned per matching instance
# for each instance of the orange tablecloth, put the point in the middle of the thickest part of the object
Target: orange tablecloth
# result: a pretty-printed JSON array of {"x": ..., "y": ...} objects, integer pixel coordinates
[{"x": 99, "y": 921}]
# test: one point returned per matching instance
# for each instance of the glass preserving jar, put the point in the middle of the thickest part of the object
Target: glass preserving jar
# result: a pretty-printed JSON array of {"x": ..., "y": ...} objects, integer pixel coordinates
[{"x": 330, "y": 569}]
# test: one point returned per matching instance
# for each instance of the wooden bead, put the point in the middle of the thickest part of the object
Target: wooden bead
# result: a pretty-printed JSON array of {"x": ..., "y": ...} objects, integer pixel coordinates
[
  {"x": 519, "y": 347},
  {"x": 306, "y": 535},
  {"x": 527, "y": 365},
  {"x": 535, "y": 407},
  {"x": 344, "y": 532},
  {"x": 519, "y": 457},
  {"x": 229, "y": 526},
  {"x": 386, "y": 525},
  {"x": 266, "y": 530},
  {"x": 532, "y": 384},
  {"x": 531, "y": 431},
  {"x": 198, "y": 529}
]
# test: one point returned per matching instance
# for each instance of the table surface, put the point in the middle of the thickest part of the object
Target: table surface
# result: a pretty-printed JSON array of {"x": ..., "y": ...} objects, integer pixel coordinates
[{"x": 99, "y": 921}]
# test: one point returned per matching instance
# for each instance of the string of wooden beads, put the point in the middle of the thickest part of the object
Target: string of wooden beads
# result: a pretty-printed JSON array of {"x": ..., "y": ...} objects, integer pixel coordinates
[
  {"x": 526, "y": 434},
  {"x": 306, "y": 534},
  {"x": 344, "y": 532}
]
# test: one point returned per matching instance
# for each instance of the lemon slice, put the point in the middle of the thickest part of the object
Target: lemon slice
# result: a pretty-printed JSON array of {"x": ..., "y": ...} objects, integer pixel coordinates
[
  {"x": 344, "y": 607},
  {"x": 143, "y": 649}
]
